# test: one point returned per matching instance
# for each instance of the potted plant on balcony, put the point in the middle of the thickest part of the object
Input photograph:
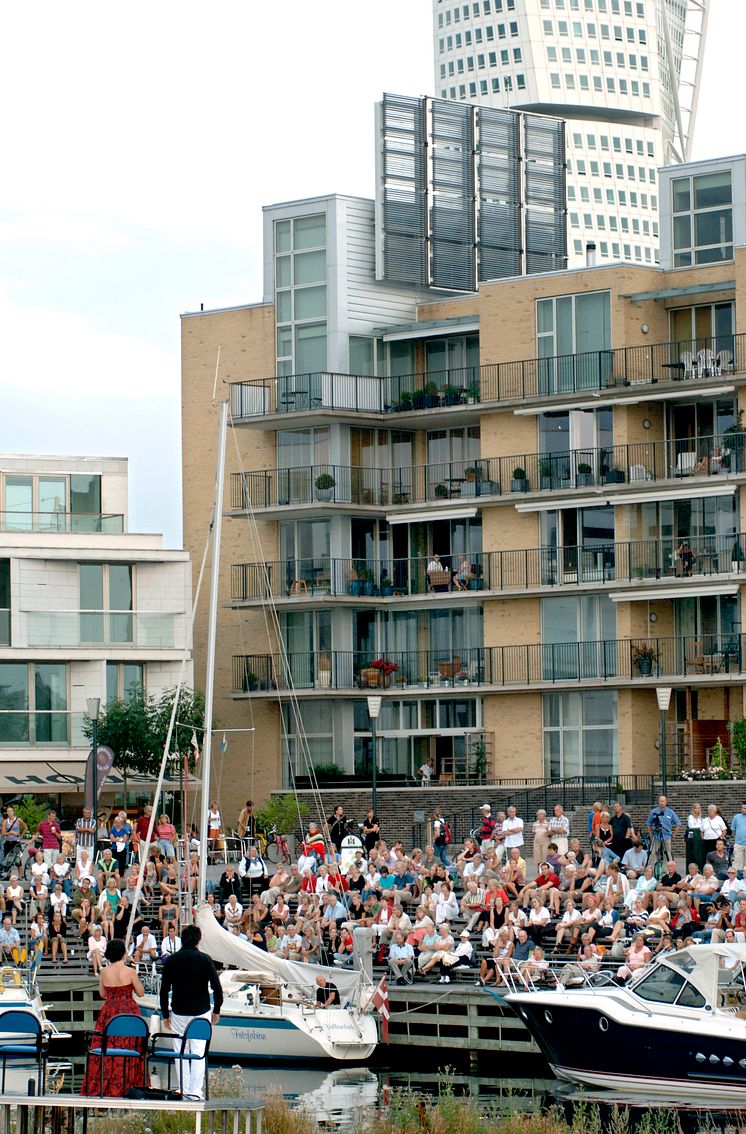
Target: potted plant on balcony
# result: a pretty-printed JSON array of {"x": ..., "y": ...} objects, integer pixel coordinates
[
  {"x": 584, "y": 476},
  {"x": 546, "y": 474},
  {"x": 519, "y": 483},
  {"x": 473, "y": 395},
  {"x": 387, "y": 586},
  {"x": 403, "y": 403},
  {"x": 354, "y": 583},
  {"x": 736, "y": 556},
  {"x": 441, "y": 491},
  {"x": 451, "y": 396},
  {"x": 250, "y": 681},
  {"x": 432, "y": 394},
  {"x": 614, "y": 476},
  {"x": 384, "y": 668},
  {"x": 645, "y": 657},
  {"x": 324, "y": 484},
  {"x": 365, "y": 574}
]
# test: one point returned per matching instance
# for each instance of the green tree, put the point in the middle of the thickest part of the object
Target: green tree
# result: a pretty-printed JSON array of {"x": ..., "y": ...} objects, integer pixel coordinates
[{"x": 283, "y": 812}]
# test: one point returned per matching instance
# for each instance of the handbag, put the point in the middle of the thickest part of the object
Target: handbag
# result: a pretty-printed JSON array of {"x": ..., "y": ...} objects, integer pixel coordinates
[{"x": 159, "y": 1093}]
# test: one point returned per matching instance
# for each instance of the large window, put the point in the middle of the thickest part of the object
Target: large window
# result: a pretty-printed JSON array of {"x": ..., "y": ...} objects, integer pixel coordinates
[
  {"x": 4, "y": 602},
  {"x": 308, "y": 738},
  {"x": 300, "y": 294},
  {"x": 124, "y": 680},
  {"x": 577, "y": 634},
  {"x": 410, "y": 732},
  {"x": 55, "y": 503},
  {"x": 580, "y": 734},
  {"x": 573, "y": 334},
  {"x": 33, "y": 703},
  {"x": 106, "y": 592},
  {"x": 702, "y": 219}
]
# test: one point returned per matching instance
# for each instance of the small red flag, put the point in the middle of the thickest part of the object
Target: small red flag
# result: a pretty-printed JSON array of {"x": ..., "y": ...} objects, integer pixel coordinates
[{"x": 380, "y": 1001}]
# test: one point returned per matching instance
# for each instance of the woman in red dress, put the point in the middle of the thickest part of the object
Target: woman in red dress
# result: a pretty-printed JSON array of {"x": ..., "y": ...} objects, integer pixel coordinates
[{"x": 118, "y": 984}]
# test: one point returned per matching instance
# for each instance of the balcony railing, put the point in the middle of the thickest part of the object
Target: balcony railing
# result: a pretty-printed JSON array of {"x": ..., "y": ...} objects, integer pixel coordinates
[
  {"x": 36, "y": 727},
  {"x": 617, "y": 660},
  {"x": 685, "y": 360},
  {"x": 82, "y": 522},
  {"x": 640, "y": 463},
  {"x": 153, "y": 631},
  {"x": 526, "y": 569}
]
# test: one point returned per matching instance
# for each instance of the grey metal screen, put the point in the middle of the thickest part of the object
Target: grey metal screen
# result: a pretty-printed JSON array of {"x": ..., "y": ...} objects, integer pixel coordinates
[
  {"x": 404, "y": 190},
  {"x": 545, "y": 194},
  {"x": 499, "y": 178},
  {"x": 452, "y": 196}
]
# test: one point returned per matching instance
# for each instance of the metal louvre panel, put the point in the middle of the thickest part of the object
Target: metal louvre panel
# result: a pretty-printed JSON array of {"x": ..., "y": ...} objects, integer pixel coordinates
[
  {"x": 545, "y": 189},
  {"x": 499, "y": 180},
  {"x": 452, "y": 200},
  {"x": 404, "y": 175}
]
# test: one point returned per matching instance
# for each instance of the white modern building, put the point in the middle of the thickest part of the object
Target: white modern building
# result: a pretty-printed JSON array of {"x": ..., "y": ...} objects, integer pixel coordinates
[
  {"x": 87, "y": 609},
  {"x": 624, "y": 74}
]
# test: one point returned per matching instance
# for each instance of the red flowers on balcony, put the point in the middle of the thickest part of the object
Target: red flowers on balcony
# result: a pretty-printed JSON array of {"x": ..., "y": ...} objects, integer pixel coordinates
[{"x": 385, "y": 666}]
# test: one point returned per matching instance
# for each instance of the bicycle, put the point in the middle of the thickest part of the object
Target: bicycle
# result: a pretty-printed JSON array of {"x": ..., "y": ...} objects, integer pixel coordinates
[{"x": 275, "y": 849}]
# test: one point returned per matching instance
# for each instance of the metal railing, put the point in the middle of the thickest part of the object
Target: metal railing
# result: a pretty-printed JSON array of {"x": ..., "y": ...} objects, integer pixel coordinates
[
  {"x": 525, "y": 569},
  {"x": 565, "y": 663},
  {"x": 84, "y": 522},
  {"x": 147, "y": 630},
  {"x": 680, "y": 360},
  {"x": 640, "y": 463}
]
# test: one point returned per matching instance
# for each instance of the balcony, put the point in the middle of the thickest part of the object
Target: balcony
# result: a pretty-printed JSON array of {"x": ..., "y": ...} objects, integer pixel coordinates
[
  {"x": 84, "y": 523},
  {"x": 639, "y": 465},
  {"x": 530, "y": 569},
  {"x": 96, "y": 628},
  {"x": 695, "y": 360},
  {"x": 709, "y": 658}
]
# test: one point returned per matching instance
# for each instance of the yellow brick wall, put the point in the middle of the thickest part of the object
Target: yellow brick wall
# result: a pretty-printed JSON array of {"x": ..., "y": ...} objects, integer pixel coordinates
[
  {"x": 246, "y": 340},
  {"x": 516, "y": 722}
]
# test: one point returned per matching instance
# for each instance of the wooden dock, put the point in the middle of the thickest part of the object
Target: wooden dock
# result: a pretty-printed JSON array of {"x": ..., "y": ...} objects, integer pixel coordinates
[{"x": 456, "y": 1017}]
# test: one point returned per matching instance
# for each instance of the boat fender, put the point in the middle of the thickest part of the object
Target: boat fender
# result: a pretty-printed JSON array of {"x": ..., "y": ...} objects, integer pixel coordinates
[{"x": 10, "y": 978}]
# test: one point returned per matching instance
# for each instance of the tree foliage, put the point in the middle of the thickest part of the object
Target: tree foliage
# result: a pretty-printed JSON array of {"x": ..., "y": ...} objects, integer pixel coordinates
[
  {"x": 283, "y": 812},
  {"x": 136, "y": 729},
  {"x": 32, "y": 811}
]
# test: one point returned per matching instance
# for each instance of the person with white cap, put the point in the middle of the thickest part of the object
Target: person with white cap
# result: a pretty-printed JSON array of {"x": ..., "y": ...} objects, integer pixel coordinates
[
  {"x": 462, "y": 957},
  {"x": 487, "y": 827}
]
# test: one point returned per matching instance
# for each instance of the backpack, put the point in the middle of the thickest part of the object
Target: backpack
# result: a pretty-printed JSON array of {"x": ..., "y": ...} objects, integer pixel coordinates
[{"x": 447, "y": 835}]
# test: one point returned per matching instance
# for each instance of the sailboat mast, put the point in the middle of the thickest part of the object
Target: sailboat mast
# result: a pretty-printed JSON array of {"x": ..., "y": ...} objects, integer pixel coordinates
[{"x": 212, "y": 626}]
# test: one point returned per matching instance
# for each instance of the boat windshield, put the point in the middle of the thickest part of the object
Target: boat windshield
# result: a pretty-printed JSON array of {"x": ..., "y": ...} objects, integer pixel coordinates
[{"x": 666, "y": 986}]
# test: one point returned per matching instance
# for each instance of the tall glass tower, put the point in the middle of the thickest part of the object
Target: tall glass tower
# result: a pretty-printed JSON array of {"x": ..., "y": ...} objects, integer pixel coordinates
[{"x": 625, "y": 75}]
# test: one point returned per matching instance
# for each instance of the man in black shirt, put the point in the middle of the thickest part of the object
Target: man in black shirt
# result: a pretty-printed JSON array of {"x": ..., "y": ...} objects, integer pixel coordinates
[
  {"x": 337, "y": 826},
  {"x": 327, "y": 994},
  {"x": 188, "y": 976},
  {"x": 718, "y": 860},
  {"x": 621, "y": 831}
]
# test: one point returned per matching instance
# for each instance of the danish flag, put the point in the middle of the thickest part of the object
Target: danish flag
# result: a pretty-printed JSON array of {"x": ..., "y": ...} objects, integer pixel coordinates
[{"x": 380, "y": 1001}]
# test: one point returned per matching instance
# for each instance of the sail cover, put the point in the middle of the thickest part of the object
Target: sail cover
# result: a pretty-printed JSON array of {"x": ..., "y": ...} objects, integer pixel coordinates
[{"x": 264, "y": 967}]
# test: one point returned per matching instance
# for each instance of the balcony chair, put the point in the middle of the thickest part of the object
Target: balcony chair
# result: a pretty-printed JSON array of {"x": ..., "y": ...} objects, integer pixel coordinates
[
  {"x": 705, "y": 363},
  {"x": 685, "y": 463},
  {"x": 694, "y": 658},
  {"x": 686, "y": 359},
  {"x": 639, "y": 472},
  {"x": 724, "y": 362},
  {"x": 439, "y": 580}
]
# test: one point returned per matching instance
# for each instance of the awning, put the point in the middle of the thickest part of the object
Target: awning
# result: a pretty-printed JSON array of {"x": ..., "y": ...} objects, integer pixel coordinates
[
  {"x": 676, "y": 292},
  {"x": 683, "y": 492},
  {"x": 461, "y": 325},
  {"x": 688, "y": 391},
  {"x": 650, "y": 593},
  {"x": 429, "y": 517},
  {"x": 69, "y": 775}
]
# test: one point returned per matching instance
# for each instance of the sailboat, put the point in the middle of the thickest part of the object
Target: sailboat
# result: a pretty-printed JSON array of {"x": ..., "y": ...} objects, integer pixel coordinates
[{"x": 269, "y": 1009}]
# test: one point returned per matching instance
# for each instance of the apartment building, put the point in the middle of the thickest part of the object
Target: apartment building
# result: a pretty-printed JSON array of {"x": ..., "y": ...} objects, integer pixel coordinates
[
  {"x": 87, "y": 609},
  {"x": 624, "y": 74},
  {"x": 512, "y": 514}
]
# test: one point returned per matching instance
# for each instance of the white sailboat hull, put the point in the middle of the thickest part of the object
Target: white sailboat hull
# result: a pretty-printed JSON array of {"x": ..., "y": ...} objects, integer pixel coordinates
[{"x": 286, "y": 1032}]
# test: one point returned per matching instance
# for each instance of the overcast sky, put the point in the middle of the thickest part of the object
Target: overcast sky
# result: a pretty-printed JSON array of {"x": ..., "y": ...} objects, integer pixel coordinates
[{"x": 139, "y": 143}]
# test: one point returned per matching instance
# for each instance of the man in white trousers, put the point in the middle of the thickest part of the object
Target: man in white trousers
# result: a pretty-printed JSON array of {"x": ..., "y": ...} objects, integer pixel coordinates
[{"x": 188, "y": 977}]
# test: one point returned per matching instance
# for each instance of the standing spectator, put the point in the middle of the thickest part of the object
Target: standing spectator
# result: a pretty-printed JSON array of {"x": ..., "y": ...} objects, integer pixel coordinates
[
  {"x": 512, "y": 831},
  {"x": 738, "y": 827},
  {"x": 425, "y": 772},
  {"x": 12, "y": 830},
  {"x": 622, "y": 831},
  {"x": 166, "y": 837},
  {"x": 85, "y": 835},
  {"x": 371, "y": 830},
  {"x": 337, "y": 823},
  {"x": 440, "y": 837},
  {"x": 142, "y": 824},
  {"x": 661, "y": 822},
  {"x": 486, "y": 827},
  {"x": 120, "y": 834},
  {"x": 246, "y": 825},
  {"x": 713, "y": 828},
  {"x": 694, "y": 849},
  {"x": 541, "y": 836},
  {"x": 559, "y": 829},
  {"x": 214, "y": 825},
  {"x": 51, "y": 837}
]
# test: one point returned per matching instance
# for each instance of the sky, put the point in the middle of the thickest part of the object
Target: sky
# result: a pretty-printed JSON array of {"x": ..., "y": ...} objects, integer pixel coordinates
[{"x": 139, "y": 144}]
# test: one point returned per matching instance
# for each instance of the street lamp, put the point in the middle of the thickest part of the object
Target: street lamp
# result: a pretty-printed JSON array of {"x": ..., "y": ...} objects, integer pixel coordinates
[
  {"x": 94, "y": 708},
  {"x": 663, "y": 695},
  {"x": 374, "y": 708}
]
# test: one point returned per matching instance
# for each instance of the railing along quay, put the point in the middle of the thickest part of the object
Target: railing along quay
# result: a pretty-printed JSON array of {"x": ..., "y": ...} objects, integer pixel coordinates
[{"x": 682, "y": 360}]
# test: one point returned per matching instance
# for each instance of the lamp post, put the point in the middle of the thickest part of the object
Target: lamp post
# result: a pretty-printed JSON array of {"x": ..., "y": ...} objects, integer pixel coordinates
[
  {"x": 94, "y": 708},
  {"x": 374, "y": 708},
  {"x": 663, "y": 696}
]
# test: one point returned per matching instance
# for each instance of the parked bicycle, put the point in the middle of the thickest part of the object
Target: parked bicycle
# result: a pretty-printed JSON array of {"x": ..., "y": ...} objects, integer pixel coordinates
[{"x": 273, "y": 846}]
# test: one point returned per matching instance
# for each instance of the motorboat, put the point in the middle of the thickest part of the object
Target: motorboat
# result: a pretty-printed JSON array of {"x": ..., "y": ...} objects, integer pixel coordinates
[
  {"x": 269, "y": 1007},
  {"x": 677, "y": 1031}
]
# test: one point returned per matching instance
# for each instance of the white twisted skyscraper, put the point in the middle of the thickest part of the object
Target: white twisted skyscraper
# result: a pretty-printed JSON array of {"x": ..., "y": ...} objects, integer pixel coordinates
[{"x": 625, "y": 74}]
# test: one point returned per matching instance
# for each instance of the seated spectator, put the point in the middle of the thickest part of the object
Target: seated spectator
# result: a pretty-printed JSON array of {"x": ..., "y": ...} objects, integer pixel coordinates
[
  {"x": 38, "y": 897},
  {"x": 401, "y": 959},
  {"x": 668, "y": 883},
  {"x": 167, "y": 837},
  {"x": 646, "y": 884},
  {"x": 230, "y": 883},
  {"x": 733, "y": 888},
  {"x": 538, "y": 920},
  {"x": 569, "y": 920},
  {"x": 14, "y": 903},
  {"x": 462, "y": 957},
  {"x": 171, "y": 942},
  {"x": 57, "y": 934},
  {"x": 542, "y": 885},
  {"x": 110, "y": 895},
  {"x": 609, "y": 926},
  {"x": 446, "y": 906},
  {"x": 39, "y": 934},
  {"x": 39, "y": 869},
  {"x": 145, "y": 947},
  {"x": 707, "y": 885},
  {"x": 637, "y": 956},
  {"x": 58, "y": 900},
  {"x": 617, "y": 885},
  {"x": 492, "y": 968},
  {"x": 168, "y": 914},
  {"x": 106, "y": 868},
  {"x": 718, "y": 859},
  {"x": 443, "y": 945},
  {"x": 10, "y": 941},
  {"x": 61, "y": 871},
  {"x": 636, "y": 858},
  {"x": 660, "y": 917},
  {"x": 96, "y": 949},
  {"x": 233, "y": 912},
  {"x": 535, "y": 969},
  {"x": 427, "y": 947}
]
